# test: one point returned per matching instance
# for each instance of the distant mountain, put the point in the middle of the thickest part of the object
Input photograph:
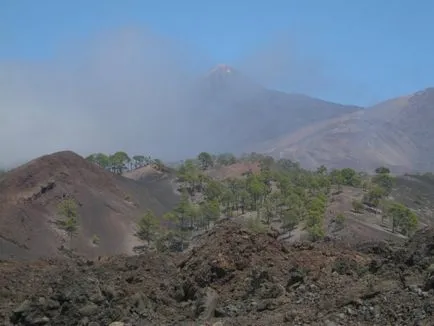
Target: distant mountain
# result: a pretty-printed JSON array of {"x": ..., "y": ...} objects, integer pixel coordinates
[
  {"x": 233, "y": 113},
  {"x": 398, "y": 133}
]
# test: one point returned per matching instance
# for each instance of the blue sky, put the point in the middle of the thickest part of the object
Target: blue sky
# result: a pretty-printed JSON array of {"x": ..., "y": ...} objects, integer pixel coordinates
[{"x": 367, "y": 50}]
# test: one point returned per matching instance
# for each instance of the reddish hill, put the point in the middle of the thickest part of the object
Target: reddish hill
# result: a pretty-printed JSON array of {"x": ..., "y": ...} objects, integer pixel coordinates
[
  {"x": 108, "y": 206},
  {"x": 234, "y": 170}
]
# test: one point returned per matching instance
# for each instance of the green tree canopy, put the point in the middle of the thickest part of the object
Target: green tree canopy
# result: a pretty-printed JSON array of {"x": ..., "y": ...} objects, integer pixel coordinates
[
  {"x": 403, "y": 218},
  {"x": 206, "y": 160},
  {"x": 68, "y": 220},
  {"x": 382, "y": 170},
  {"x": 147, "y": 226},
  {"x": 139, "y": 160},
  {"x": 226, "y": 159},
  {"x": 118, "y": 161}
]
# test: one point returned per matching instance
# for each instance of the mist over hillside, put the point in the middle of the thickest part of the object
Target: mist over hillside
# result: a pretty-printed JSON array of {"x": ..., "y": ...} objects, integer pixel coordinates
[{"x": 139, "y": 91}]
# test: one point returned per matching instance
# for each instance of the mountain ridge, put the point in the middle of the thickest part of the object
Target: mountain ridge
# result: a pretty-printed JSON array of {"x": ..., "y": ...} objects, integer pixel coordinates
[
  {"x": 232, "y": 112},
  {"x": 396, "y": 132}
]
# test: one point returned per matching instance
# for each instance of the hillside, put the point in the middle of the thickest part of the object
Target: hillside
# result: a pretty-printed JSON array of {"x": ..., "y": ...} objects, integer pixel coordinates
[
  {"x": 108, "y": 206},
  {"x": 252, "y": 241},
  {"x": 233, "y": 113},
  {"x": 397, "y": 133}
]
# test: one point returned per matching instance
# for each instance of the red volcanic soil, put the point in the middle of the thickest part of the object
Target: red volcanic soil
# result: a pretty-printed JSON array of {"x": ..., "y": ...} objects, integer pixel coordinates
[{"x": 108, "y": 206}]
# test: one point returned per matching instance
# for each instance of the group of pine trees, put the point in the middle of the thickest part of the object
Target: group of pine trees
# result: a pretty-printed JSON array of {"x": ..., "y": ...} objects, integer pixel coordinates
[
  {"x": 120, "y": 161},
  {"x": 282, "y": 190}
]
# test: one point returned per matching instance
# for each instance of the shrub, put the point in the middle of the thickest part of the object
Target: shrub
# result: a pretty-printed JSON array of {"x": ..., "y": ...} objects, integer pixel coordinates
[
  {"x": 340, "y": 219},
  {"x": 357, "y": 206}
]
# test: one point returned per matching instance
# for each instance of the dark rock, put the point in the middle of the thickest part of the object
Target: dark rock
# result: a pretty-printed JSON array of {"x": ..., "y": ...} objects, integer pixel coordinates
[
  {"x": 52, "y": 304},
  {"x": 296, "y": 276},
  {"x": 265, "y": 305},
  {"x": 206, "y": 304},
  {"x": 271, "y": 291},
  {"x": 345, "y": 266},
  {"x": 109, "y": 292},
  {"x": 88, "y": 310},
  {"x": 24, "y": 307},
  {"x": 38, "y": 320},
  {"x": 429, "y": 283},
  {"x": 290, "y": 316}
]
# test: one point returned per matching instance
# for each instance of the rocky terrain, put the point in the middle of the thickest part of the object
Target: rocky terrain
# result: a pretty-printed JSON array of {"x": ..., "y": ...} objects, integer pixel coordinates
[
  {"x": 232, "y": 276},
  {"x": 231, "y": 272}
]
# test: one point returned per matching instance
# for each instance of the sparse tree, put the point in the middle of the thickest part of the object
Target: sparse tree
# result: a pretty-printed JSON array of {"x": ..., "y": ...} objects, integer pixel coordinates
[
  {"x": 95, "y": 240},
  {"x": 402, "y": 218},
  {"x": 159, "y": 165},
  {"x": 102, "y": 160},
  {"x": 68, "y": 220},
  {"x": 357, "y": 206},
  {"x": 316, "y": 232},
  {"x": 269, "y": 210},
  {"x": 351, "y": 177},
  {"x": 205, "y": 160},
  {"x": 226, "y": 159},
  {"x": 170, "y": 220},
  {"x": 382, "y": 170},
  {"x": 213, "y": 190},
  {"x": 118, "y": 161},
  {"x": 385, "y": 181},
  {"x": 322, "y": 170},
  {"x": 255, "y": 188},
  {"x": 290, "y": 220},
  {"x": 211, "y": 211},
  {"x": 139, "y": 161},
  {"x": 91, "y": 158},
  {"x": 147, "y": 226},
  {"x": 373, "y": 197},
  {"x": 340, "y": 220}
]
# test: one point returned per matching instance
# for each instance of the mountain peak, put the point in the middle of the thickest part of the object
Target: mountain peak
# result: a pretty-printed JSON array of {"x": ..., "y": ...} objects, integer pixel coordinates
[
  {"x": 226, "y": 77},
  {"x": 221, "y": 69}
]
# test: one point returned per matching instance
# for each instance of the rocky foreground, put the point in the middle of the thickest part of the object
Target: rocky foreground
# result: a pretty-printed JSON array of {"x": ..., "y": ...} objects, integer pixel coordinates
[{"x": 232, "y": 277}]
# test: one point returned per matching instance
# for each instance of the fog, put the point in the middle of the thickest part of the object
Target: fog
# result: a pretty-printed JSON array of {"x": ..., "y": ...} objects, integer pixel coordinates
[{"x": 127, "y": 89}]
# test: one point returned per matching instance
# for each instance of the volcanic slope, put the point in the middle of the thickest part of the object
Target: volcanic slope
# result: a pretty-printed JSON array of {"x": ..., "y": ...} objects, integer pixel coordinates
[
  {"x": 233, "y": 113},
  {"x": 108, "y": 206},
  {"x": 397, "y": 133}
]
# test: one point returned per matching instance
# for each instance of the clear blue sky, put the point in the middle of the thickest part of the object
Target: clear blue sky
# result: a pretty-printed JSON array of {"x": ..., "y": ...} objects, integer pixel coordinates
[{"x": 373, "y": 49}]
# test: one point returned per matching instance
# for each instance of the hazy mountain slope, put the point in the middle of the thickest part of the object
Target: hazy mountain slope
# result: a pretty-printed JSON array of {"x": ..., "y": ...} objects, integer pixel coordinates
[
  {"x": 232, "y": 112},
  {"x": 397, "y": 133},
  {"x": 109, "y": 205}
]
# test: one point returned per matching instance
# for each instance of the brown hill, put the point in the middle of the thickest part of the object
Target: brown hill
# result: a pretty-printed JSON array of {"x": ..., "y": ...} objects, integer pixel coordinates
[
  {"x": 397, "y": 133},
  {"x": 145, "y": 173},
  {"x": 108, "y": 206},
  {"x": 236, "y": 170}
]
